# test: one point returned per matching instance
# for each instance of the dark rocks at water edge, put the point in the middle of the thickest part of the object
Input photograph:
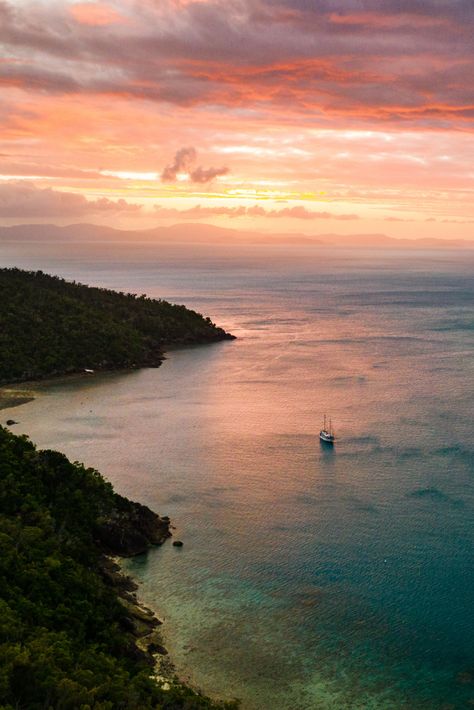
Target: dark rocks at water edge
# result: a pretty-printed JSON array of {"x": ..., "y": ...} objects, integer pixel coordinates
[
  {"x": 11, "y": 422},
  {"x": 131, "y": 529},
  {"x": 178, "y": 543},
  {"x": 74, "y": 633},
  {"x": 138, "y": 620}
]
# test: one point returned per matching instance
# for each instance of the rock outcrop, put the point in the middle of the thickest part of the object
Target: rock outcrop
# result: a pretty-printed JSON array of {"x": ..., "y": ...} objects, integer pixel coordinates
[{"x": 131, "y": 529}]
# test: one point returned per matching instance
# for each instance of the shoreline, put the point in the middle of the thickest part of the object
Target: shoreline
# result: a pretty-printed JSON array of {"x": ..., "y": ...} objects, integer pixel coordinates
[
  {"x": 14, "y": 394},
  {"x": 166, "y": 673},
  {"x": 145, "y": 624},
  {"x": 17, "y": 392}
]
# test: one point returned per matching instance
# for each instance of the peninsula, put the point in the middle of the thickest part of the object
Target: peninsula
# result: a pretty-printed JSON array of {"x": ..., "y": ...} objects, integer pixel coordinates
[{"x": 49, "y": 326}]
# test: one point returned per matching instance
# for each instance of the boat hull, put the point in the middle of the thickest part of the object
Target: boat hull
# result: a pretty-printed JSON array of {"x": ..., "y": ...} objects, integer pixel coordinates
[{"x": 326, "y": 437}]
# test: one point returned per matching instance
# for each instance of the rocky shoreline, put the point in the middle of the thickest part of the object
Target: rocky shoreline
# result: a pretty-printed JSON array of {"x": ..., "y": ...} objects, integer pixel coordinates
[
  {"x": 73, "y": 625},
  {"x": 131, "y": 529},
  {"x": 140, "y": 621},
  {"x": 133, "y": 532},
  {"x": 128, "y": 530}
]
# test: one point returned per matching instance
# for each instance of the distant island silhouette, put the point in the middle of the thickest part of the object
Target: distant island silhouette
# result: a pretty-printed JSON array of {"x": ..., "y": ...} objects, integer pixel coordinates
[{"x": 199, "y": 233}]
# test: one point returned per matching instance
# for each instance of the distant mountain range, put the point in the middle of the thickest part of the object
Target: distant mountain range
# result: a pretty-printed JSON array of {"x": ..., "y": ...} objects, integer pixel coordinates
[{"x": 209, "y": 234}]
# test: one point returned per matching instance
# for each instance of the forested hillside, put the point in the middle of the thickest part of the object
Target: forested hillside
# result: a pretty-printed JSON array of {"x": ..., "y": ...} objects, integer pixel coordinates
[
  {"x": 67, "y": 636},
  {"x": 49, "y": 326}
]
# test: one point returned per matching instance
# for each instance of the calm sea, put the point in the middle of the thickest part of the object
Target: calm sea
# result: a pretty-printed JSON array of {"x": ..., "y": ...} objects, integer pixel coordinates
[{"x": 309, "y": 578}]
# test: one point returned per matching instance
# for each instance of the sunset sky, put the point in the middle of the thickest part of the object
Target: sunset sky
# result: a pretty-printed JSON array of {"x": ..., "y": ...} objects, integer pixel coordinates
[{"x": 309, "y": 116}]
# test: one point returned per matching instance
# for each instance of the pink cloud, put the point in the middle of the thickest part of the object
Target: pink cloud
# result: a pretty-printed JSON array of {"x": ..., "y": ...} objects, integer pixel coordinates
[
  {"x": 95, "y": 14},
  {"x": 23, "y": 200},
  {"x": 298, "y": 212}
]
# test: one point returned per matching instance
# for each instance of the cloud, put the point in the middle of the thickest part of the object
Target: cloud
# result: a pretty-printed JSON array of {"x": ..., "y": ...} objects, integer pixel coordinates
[
  {"x": 184, "y": 162},
  {"x": 24, "y": 200},
  {"x": 203, "y": 175},
  {"x": 458, "y": 221},
  {"x": 94, "y": 14},
  {"x": 392, "y": 61},
  {"x": 378, "y": 94},
  {"x": 297, "y": 212},
  {"x": 300, "y": 212}
]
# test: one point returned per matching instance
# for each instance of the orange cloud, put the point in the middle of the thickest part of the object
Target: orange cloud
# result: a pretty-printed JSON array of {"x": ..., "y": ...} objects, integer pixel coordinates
[
  {"x": 389, "y": 21},
  {"x": 95, "y": 14}
]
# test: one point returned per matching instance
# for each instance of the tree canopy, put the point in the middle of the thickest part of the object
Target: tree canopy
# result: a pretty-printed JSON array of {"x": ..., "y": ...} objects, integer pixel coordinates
[{"x": 50, "y": 326}]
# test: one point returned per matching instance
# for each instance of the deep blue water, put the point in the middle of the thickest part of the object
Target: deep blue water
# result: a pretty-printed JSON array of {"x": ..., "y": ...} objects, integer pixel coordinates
[{"x": 309, "y": 578}]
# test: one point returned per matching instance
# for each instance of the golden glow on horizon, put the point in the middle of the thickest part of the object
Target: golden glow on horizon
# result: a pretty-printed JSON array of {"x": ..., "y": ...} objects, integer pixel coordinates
[{"x": 130, "y": 175}]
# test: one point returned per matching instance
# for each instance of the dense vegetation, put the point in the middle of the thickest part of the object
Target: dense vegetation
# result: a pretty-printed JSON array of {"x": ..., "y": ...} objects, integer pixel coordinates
[
  {"x": 65, "y": 635},
  {"x": 49, "y": 326}
]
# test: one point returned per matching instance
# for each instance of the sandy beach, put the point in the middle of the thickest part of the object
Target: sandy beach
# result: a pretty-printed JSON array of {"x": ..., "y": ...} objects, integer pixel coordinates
[{"x": 12, "y": 397}]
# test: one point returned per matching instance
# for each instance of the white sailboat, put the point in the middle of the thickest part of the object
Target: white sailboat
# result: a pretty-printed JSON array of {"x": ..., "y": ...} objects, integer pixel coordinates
[{"x": 327, "y": 433}]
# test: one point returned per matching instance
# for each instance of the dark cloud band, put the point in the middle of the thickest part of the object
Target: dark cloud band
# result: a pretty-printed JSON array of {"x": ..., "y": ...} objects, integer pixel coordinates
[{"x": 390, "y": 60}]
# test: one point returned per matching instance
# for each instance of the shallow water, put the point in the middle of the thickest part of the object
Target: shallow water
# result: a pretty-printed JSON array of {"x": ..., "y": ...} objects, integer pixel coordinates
[{"x": 309, "y": 578}]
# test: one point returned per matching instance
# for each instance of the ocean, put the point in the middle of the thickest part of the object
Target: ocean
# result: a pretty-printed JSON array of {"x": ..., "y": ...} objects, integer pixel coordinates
[{"x": 309, "y": 578}]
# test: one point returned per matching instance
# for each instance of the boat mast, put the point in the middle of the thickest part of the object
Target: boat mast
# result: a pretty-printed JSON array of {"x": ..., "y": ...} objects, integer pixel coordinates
[{"x": 324, "y": 426}]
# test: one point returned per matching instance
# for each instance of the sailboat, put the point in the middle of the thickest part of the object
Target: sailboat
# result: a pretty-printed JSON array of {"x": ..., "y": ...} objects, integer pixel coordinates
[{"x": 327, "y": 433}]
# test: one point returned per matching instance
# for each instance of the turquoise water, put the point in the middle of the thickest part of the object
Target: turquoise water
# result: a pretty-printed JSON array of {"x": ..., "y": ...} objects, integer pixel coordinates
[{"x": 309, "y": 578}]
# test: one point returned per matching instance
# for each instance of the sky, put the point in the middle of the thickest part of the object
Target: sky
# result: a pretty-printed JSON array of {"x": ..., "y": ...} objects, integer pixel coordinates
[{"x": 310, "y": 116}]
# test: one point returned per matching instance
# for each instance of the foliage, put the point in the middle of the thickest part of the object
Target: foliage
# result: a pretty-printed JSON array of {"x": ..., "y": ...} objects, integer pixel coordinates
[
  {"x": 64, "y": 641},
  {"x": 50, "y": 326}
]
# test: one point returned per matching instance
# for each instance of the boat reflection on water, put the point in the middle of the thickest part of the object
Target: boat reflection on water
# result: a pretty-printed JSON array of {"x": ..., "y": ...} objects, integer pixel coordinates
[
  {"x": 327, "y": 447},
  {"x": 327, "y": 452}
]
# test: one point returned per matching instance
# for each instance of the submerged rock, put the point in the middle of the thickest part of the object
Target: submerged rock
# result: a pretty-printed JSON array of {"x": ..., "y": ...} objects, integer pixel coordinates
[
  {"x": 178, "y": 543},
  {"x": 10, "y": 422}
]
